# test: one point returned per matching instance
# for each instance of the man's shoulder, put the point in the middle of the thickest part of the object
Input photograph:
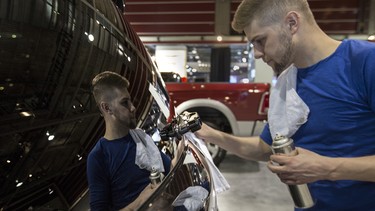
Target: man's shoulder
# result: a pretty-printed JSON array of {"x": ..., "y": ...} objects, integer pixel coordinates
[
  {"x": 359, "y": 46},
  {"x": 97, "y": 149},
  {"x": 356, "y": 52}
]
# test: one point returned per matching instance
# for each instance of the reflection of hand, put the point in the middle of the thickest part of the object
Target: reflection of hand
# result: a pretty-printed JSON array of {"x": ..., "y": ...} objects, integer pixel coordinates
[
  {"x": 143, "y": 196},
  {"x": 305, "y": 167},
  {"x": 179, "y": 151}
]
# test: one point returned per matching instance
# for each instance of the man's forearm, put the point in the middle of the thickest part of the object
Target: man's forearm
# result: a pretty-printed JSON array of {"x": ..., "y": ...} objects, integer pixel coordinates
[
  {"x": 360, "y": 168},
  {"x": 251, "y": 148}
]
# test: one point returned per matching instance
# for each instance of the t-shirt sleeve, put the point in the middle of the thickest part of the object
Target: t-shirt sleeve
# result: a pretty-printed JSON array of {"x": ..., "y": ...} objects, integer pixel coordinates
[
  {"x": 369, "y": 72},
  {"x": 362, "y": 54},
  {"x": 266, "y": 134},
  {"x": 99, "y": 187}
]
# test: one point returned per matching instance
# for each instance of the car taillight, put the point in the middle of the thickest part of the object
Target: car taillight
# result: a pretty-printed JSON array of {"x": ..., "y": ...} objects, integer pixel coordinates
[
  {"x": 184, "y": 79},
  {"x": 264, "y": 104}
]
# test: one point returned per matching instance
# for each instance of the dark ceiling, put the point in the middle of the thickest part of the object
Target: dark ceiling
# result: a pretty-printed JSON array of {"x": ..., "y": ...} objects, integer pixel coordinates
[{"x": 212, "y": 17}]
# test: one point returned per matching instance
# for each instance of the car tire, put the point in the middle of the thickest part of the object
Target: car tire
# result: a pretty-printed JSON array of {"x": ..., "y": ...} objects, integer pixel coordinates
[{"x": 217, "y": 153}]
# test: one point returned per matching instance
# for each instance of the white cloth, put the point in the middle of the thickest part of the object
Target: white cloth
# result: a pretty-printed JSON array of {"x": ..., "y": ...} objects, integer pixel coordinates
[
  {"x": 287, "y": 110},
  {"x": 219, "y": 181},
  {"x": 147, "y": 153},
  {"x": 192, "y": 198}
]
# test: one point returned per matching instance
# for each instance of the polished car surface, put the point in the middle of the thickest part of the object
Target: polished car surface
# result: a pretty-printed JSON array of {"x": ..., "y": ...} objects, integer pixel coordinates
[{"x": 50, "y": 51}]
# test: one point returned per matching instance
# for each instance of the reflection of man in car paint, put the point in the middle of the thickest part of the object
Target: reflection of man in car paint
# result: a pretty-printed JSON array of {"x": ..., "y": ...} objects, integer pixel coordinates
[
  {"x": 115, "y": 181},
  {"x": 335, "y": 79}
]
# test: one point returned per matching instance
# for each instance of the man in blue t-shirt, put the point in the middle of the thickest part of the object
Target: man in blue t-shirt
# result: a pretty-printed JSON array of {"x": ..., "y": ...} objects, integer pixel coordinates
[
  {"x": 335, "y": 81},
  {"x": 115, "y": 178}
]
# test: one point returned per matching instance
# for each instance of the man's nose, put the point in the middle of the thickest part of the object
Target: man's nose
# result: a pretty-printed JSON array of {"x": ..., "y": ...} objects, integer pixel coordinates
[{"x": 258, "y": 54}]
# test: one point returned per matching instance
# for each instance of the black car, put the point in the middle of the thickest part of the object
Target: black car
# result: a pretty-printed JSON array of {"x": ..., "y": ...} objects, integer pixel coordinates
[{"x": 49, "y": 52}]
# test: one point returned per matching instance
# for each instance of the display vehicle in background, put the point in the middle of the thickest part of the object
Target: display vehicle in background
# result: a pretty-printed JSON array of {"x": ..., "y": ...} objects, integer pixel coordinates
[
  {"x": 230, "y": 107},
  {"x": 50, "y": 51}
]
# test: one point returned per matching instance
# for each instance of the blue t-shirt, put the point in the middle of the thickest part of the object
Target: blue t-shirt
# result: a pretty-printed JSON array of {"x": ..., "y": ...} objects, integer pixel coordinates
[
  {"x": 340, "y": 92},
  {"x": 114, "y": 178}
]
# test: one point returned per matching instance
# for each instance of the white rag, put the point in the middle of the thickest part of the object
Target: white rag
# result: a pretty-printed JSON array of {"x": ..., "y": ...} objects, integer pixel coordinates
[
  {"x": 287, "y": 110},
  {"x": 219, "y": 181},
  {"x": 147, "y": 153},
  {"x": 192, "y": 198}
]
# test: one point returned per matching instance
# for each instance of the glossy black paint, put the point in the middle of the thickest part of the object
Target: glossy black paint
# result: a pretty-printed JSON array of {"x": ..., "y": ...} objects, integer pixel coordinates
[{"x": 49, "y": 52}]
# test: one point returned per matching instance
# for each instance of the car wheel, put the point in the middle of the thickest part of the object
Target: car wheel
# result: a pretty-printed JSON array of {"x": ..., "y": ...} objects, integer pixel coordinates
[{"x": 217, "y": 153}]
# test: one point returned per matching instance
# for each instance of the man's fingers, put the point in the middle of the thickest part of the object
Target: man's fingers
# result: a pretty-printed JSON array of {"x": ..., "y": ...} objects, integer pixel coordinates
[
  {"x": 275, "y": 167},
  {"x": 280, "y": 159}
]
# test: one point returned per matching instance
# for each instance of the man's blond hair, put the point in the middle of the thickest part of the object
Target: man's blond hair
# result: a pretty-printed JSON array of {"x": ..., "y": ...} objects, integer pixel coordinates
[{"x": 268, "y": 12}]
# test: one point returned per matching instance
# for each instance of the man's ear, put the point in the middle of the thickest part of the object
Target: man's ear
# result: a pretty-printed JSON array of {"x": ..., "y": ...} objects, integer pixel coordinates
[
  {"x": 292, "y": 21},
  {"x": 105, "y": 108}
]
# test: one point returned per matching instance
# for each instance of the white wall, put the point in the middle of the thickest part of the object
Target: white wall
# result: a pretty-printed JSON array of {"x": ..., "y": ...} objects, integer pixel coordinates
[{"x": 171, "y": 58}]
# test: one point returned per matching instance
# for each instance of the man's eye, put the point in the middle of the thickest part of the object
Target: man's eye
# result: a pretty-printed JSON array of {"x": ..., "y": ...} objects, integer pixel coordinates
[
  {"x": 260, "y": 42},
  {"x": 126, "y": 102}
]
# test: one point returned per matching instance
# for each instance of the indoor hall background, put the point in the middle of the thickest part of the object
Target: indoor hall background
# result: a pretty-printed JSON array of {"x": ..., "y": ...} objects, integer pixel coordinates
[
  {"x": 177, "y": 21},
  {"x": 205, "y": 25},
  {"x": 198, "y": 23}
]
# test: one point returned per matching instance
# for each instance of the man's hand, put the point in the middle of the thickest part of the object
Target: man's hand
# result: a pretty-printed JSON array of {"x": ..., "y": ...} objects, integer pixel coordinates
[
  {"x": 305, "y": 167},
  {"x": 206, "y": 133}
]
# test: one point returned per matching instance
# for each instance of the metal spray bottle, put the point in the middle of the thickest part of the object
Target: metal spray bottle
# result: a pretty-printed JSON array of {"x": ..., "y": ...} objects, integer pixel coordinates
[
  {"x": 300, "y": 193},
  {"x": 155, "y": 177}
]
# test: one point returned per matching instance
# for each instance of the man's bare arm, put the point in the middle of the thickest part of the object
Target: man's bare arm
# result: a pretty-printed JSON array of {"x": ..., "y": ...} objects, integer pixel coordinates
[{"x": 251, "y": 148}]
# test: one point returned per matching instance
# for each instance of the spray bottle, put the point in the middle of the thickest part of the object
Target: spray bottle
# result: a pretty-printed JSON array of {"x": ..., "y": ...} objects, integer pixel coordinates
[{"x": 300, "y": 193}]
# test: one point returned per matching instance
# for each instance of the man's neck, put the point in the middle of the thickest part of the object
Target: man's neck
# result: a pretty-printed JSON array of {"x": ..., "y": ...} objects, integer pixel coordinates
[
  {"x": 318, "y": 47},
  {"x": 115, "y": 132}
]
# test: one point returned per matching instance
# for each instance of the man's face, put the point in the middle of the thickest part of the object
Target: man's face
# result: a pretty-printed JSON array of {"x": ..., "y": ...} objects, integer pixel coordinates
[
  {"x": 272, "y": 44},
  {"x": 123, "y": 110}
]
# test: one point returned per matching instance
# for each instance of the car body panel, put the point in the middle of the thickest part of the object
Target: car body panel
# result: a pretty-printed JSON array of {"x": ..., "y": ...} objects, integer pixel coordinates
[{"x": 50, "y": 51}]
